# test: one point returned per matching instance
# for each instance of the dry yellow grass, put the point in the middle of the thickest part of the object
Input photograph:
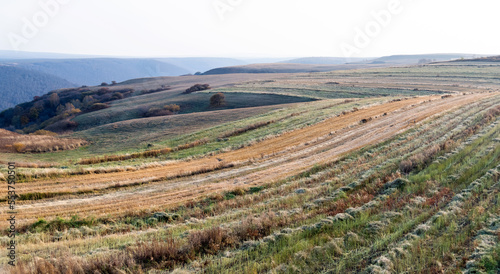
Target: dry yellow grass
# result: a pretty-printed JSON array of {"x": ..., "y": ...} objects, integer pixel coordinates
[{"x": 14, "y": 142}]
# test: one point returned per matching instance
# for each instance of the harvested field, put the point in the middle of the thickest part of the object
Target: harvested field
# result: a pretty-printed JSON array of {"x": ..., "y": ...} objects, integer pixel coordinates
[
  {"x": 267, "y": 161},
  {"x": 395, "y": 182}
]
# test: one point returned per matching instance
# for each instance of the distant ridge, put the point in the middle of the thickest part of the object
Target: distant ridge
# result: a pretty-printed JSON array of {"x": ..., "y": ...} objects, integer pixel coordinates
[
  {"x": 19, "y": 55},
  {"x": 201, "y": 64},
  {"x": 286, "y": 68},
  {"x": 19, "y": 85},
  {"x": 416, "y": 58},
  {"x": 481, "y": 59},
  {"x": 94, "y": 71},
  {"x": 325, "y": 60}
]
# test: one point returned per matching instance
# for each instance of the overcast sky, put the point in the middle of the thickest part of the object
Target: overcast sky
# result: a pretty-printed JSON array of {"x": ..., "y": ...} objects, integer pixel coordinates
[{"x": 250, "y": 28}]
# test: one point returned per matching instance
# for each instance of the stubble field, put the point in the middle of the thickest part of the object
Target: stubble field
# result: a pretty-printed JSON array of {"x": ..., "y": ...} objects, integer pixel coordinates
[{"x": 389, "y": 170}]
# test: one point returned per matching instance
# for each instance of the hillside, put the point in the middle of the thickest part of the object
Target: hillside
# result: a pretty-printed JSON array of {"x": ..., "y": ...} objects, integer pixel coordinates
[
  {"x": 189, "y": 64},
  {"x": 201, "y": 64},
  {"x": 19, "y": 85},
  {"x": 87, "y": 107},
  {"x": 284, "y": 68},
  {"x": 378, "y": 170},
  {"x": 44, "y": 72},
  {"x": 92, "y": 71}
]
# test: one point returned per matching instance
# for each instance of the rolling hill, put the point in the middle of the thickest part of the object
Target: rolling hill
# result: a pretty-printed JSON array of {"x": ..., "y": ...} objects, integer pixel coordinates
[
  {"x": 416, "y": 58},
  {"x": 90, "y": 71},
  {"x": 387, "y": 170},
  {"x": 19, "y": 85},
  {"x": 325, "y": 60},
  {"x": 51, "y": 71},
  {"x": 285, "y": 68},
  {"x": 201, "y": 64}
]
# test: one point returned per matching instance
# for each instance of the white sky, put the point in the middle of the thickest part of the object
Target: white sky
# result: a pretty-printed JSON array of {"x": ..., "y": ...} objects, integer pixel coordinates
[{"x": 252, "y": 28}]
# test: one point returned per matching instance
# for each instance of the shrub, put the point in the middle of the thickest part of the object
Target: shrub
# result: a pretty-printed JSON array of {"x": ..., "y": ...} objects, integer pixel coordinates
[
  {"x": 197, "y": 87},
  {"x": 366, "y": 120},
  {"x": 217, "y": 100},
  {"x": 117, "y": 96},
  {"x": 217, "y": 197},
  {"x": 103, "y": 91},
  {"x": 162, "y": 88},
  {"x": 154, "y": 111},
  {"x": 256, "y": 189},
  {"x": 156, "y": 251},
  {"x": 192, "y": 144},
  {"x": 63, "y": 125},
  {"x": 172, "y": 108},
  {"x": 98, "y": 106},
  {"x": 253, "y": 228},
  {"x": 24, "y": 120},
  {"x": 19, "y": 147},
  {"x": 423, "y": 158},
  {"x": 54, "y": 99},
  {"x": 40, "y": 223},
  {"x": 492, "y": 113},
  {"x": 406, "y": 166},
  {"x": 210, "y": 241},
  {"x": 238, "y": 192},
  {"x": 75, "y": 111}
]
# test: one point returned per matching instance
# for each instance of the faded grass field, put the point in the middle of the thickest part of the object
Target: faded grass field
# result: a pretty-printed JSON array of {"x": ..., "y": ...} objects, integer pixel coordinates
[{"x": 11, "y": 142}]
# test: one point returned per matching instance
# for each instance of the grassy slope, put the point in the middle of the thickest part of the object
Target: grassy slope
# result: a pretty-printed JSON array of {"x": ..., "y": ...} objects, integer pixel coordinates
[
  {"x": 280, "y": 197},
  {"x": 284, "y": 231}
]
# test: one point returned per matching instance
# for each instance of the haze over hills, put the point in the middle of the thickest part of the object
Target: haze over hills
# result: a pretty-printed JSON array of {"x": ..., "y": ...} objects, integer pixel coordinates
[
  {"x": 146, "y": 96},
  {"x": 32, "y": 77},
  {"x": 19, "y": 85},
  {"x": 51, "y": 71},
  {"x": 286, "y": 68},
  {"x": 416, "y": 58},
  {"x": 69, "y": 70},
  {"x": 17, "y": 55},
  {"x": 96, "y": 71},
  {"x": 325, "y": 60},
  {"x": 316, "y": 64},
  {"x": 202, "y": 64}
]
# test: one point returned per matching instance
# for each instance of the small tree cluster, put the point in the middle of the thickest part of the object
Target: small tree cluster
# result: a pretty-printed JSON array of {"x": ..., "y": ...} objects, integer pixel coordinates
[
  {"x": 217, "y": 100},
  {"x": 166, "y": 110},
  {"x": 197, "y": 87},
  {"x": 57, "y": 105},
  {"x": 173, "y": 108},
  {"x": 161, "y": 88}
]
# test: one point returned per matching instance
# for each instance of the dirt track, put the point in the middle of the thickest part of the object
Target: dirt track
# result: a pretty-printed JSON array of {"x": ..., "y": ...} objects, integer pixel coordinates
[{"x": 285, "y": 155}]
